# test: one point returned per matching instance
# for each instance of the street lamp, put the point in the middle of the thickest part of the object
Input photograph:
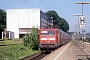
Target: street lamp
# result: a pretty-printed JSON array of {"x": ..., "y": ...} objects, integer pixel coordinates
[
  {"x": 82, "y": 5},
  {"x": 82, "y": 16},
  {"x": 52, "y": 21}
]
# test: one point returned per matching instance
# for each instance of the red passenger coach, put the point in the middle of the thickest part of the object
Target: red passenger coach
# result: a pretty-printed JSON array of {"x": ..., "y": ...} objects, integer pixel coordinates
[{"x": 50, "y": 38}]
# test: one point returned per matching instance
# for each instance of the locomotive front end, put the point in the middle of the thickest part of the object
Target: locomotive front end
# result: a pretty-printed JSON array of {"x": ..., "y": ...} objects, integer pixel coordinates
[{"x": 47, "y": 39}]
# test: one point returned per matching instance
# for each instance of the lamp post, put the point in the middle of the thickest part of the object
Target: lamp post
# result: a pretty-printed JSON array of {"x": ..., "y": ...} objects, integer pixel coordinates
[
  {"x": 82, "y": 5},
  {"x": 4, "y": 33},
  {"x": 78, "y": 24},
  {"x": 78, "y": 21},
  {"x": 52, "y": 21},
  {"x": 82, "y": 16}
]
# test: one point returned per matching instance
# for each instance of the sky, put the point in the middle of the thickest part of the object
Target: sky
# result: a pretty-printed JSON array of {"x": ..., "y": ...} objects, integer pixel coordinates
[{"x": 64, "y": 8}]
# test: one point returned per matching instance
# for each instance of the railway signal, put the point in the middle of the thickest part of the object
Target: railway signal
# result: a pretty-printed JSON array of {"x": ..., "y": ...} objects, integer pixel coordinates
[{"x": 82, "y": 22}]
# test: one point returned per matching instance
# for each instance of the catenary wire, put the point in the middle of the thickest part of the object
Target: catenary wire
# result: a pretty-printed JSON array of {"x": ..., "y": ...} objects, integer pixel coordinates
[
  {"x": 28, "y": 3},
  {"x": 44, "y": 5}
]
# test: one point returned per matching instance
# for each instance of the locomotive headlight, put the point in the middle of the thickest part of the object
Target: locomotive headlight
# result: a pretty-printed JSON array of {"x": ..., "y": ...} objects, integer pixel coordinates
[{"x": 54, "y": 41}]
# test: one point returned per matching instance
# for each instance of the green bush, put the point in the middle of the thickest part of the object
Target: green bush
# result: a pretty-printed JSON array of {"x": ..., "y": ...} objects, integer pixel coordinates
[
  {"x": 14, "y": 52},
  {"x": 31, "y": 39}
]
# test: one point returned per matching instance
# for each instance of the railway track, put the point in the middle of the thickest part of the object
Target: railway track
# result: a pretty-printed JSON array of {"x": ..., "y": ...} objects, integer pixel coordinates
[
  {"x": 36, "y": 56},
  {"x": 39, "y": 55}
]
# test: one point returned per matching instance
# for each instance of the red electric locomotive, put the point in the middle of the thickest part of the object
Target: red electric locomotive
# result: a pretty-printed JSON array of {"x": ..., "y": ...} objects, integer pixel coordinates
[{"x": 51, "y": 38}]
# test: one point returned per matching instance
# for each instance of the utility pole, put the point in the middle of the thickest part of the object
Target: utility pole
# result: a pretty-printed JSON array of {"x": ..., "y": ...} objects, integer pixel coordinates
[
  {"x": 5, "y": 33},
  {"x": 82, "y": 20}
]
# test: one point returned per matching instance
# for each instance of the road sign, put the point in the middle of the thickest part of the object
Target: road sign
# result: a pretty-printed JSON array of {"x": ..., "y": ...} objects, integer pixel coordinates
[
  {"x": 82, "y": 25},
  {"x": 82, "y": 19}
]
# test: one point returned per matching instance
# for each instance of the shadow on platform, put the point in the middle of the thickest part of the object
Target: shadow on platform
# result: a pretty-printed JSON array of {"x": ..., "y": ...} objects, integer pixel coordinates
[{"x": 87, "y": 57}]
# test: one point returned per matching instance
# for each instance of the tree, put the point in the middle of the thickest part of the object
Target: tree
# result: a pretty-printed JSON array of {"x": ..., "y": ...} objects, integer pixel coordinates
[
  {"x": 31, "y": 39},
  {"x": 64, "y": 25},
  {"x": 55, "y": 17},
  {"x": 58, "y": 22},
  {"x": 2, "y": 20}
]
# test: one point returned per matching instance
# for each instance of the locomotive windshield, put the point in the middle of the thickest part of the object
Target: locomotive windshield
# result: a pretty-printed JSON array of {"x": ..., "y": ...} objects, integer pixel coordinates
[{"x": 48, "y": 32}]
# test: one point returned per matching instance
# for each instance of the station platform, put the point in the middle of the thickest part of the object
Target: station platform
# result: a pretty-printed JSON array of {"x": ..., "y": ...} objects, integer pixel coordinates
[{"x": 74, "y": 50}]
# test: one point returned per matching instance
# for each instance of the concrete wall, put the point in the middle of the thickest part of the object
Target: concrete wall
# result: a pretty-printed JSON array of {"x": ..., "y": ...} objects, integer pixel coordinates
[
  {"x": 25, "y": 18},
  {"x": 12, "y": 22},
  {"x": 22, "y": 18}
]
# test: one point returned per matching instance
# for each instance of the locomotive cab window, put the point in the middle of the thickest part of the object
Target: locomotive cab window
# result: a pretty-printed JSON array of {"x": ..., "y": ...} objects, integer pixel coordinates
[{"x": 48, "y": 32}]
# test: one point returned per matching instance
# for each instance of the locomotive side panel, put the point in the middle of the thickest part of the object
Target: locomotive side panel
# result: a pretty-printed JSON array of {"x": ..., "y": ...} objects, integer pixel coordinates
[{"x": 59, "y": 37}]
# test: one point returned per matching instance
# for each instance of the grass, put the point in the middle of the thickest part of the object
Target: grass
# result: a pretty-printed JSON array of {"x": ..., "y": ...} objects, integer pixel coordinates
[
  {"x": 1, "y": 39},
  {"x": 14, "y": 52},
  {"x": 9, "y": 42}
]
